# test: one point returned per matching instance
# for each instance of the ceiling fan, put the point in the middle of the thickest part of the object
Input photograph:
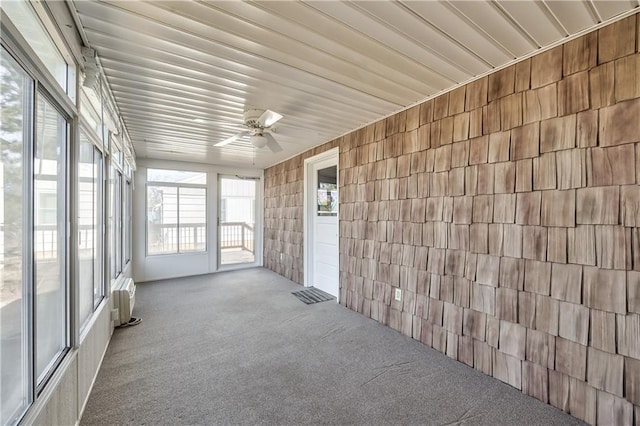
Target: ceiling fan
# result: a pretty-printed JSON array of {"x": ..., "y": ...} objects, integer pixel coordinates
[{"x": 258, "y": 122}]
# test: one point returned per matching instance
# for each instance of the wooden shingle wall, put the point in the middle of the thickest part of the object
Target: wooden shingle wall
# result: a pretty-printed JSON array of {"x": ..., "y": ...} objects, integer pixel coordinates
[
  {"x": 283, "y": 220},
  {"x": 508, "y": 212}
]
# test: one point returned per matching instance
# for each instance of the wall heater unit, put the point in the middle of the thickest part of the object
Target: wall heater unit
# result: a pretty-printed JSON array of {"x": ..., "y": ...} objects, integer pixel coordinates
[{"x": 124, "y": 297}]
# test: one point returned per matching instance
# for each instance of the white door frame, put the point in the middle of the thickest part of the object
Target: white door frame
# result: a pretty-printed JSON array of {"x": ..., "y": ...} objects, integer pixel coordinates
[{"x": 309, "y": 211}]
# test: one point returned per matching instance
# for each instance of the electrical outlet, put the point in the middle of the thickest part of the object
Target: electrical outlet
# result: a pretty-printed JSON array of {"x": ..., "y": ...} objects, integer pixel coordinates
[{"x": 398, "y": 294}]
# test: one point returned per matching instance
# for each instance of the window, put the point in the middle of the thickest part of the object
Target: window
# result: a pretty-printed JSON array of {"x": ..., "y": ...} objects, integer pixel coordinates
[
  {"x": 98, "y": 203},
  {"x": 49, "y": 171},
  {"x": 16, "y": 89},
  {"x": 176, "y": 211},
  {"x": 23, "y": 16},
  {"x": 120, "y": 219},
  {"x": 89, "y": 228},
  {"x": 327, "y": 199},
  {"x": 116, "y": 153},
  {"x": 115, "y": 220},
  {"x": 33, "y": 238},
  {"x": 176, "y": 176},
  {"x": 120, "y": 195},
  {"x": 128, "y": 193},
  {"x": 89, "y": 113}
]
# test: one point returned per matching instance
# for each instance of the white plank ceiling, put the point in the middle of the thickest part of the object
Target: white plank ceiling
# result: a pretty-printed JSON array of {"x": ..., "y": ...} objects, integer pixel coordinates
[{"x": 183, "y": 72}]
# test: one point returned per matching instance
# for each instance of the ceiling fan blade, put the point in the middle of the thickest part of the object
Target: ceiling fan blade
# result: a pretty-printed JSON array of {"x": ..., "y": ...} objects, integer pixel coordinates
[
  {"x": 269, "y": 118},
  {"x": 272, "y": 143},
  {"x": 232, "y": 138}
]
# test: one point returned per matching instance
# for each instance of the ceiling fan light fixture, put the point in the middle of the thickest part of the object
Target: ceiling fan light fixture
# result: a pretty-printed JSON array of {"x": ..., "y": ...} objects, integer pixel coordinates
[{"x": 259, "y": 141}]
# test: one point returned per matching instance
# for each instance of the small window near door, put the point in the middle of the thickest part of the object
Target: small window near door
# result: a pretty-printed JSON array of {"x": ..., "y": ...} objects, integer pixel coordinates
[{"x": 327, "y": 194}]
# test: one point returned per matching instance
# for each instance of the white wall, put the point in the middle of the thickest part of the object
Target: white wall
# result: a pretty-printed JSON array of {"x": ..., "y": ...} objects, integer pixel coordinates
[{"x": 149, "y": 268}]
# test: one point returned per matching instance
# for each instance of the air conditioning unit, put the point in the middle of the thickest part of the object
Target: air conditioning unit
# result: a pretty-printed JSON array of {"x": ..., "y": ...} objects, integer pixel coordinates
[{"x": 124, "y": 298}]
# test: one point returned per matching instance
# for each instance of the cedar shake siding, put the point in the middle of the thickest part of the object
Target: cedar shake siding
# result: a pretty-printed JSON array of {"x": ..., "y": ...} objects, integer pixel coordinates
[{"x": 508, "y": 212}]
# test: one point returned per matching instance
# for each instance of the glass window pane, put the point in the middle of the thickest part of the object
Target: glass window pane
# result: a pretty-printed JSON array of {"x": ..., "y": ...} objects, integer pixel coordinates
[
  {"x": 98, "y": 276},
  {"x": 116, "y": 229},
  {"x": 111, "y": 194},
  {"x": 49, "y": 187},
  {"x": 176, "y": 176},
  {"x": 118, "y": 217},
  {"x": 90, "y": 115},
  {"x": 162, "y": 220},
  {"x": 327, "y": 194},
  {"x": 87, "y": 227},
  {"x": 127, "y": 222},
  {"x": 115, "y": 220},
  {"x": 26, "y": 20},
  {"x": 231, "y": 187},
  {"x": 15, "y": 96},
  {"x": 116, "y": 153},
  {"x": 192, "y": 220}
]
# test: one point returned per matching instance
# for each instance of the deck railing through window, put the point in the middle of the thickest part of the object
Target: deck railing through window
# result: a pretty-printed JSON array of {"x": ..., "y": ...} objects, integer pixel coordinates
[
  {"x": 192, "y": 237},
  {"x": 164, "y": 237},
  {"x": 236, "y": 235},
  {"x": 46, "y": 240}
]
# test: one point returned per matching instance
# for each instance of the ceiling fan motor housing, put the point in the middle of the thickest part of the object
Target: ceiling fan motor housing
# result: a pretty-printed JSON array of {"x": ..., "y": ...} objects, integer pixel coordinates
[{"x": 251, "y": 117}]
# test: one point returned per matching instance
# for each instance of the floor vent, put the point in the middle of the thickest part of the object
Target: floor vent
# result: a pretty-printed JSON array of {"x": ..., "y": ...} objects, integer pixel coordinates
[{"x": 312, "y": 295}]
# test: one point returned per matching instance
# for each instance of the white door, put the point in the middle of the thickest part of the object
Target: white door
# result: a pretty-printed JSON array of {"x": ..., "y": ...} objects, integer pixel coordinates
[{"x": 323, "y": 216}]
